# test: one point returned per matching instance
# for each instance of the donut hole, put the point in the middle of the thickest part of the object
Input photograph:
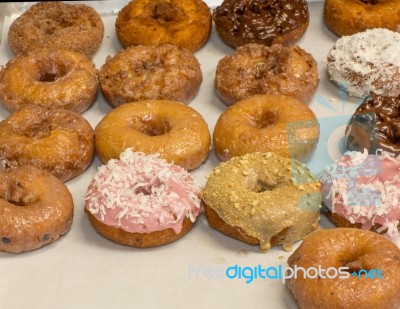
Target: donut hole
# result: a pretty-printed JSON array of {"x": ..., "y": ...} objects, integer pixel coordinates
[
  {"x": 265, "y": 119},
  {"x": 167, "y": 12},
  {"x": 18, "y": 195},
  {"x": 151, "y": 127},
  {"x": 372, "y": 2},
  {"x": 258, "y": 184},
  {"x": 51, "y": 71}
]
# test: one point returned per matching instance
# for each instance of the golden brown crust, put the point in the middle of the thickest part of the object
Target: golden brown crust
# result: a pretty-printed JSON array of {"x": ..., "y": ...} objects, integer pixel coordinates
[
  {"x": 139, "y": 240},
  {"x": 355, "y": 249},
  {"x": 240, "y": 22},
  {"x": 35, "y": 209},
  {"x": 184, "y": 23},
  {"x": 259, "y": 69},
  {"x": 346, "y": 17},
  {"x": 58, "y": 141},
  {"x": 262, "y": 198},
  {"x": 163, "y": 72},
  {"x": 75, "y": 27},
  {"x": 264, "y": 123},
  {"x": 174, "y": 130},
  {"x": 49, "y": 78}
]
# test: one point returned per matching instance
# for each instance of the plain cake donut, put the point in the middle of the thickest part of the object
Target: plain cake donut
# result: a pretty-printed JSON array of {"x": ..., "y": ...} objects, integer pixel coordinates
[
  {"x": 35, "y": 209},
  {"x": 262, "y": 199},
  {"x": 54, "y": 24},
  {"x": 174, "y": 130},
  {"x": 49, "y": 78}
]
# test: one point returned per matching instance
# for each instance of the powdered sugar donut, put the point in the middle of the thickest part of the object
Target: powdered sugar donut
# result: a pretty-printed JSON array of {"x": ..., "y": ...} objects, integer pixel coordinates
[
  {"x": 142, "y": 201},
  {"x": 367, "y": 61},
  {"x": 363, "y": 191}
]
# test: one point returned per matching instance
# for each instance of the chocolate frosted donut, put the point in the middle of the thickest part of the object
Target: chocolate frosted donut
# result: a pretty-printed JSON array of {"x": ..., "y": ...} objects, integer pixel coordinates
[
  {"x": 239, "y": 22},
  {"x": 375, "y": 125}
]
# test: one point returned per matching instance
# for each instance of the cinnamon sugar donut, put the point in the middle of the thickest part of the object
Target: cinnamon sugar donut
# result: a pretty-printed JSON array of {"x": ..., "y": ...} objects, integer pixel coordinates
[
  {"x": 240, "y": 22},
  {"x": 35, "y": 209},
  {"x": 75, "y": 27},
  {"x": 184, "y": 23},
  {"x": 163, "y": 72},
  {"x": 264, "y": 123},
  {"x": 142, "y": 201},
  {"x": 259, "y": 69},
  {"x": 49, "y": 78},
  {"x": 58, "y": 141},
  {"x": 367, "y": 268},
  {"x": 367, "y": 61},
  {"x": 262, "y": 199},
  {"x": 346, "y": 17},
  {"x": 172, "y": 129}
]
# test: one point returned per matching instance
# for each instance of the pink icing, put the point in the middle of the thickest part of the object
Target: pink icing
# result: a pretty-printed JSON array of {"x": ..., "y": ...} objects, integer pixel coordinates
[
  {"x": 380, "y": 183},
  {"x": 142, "y": 194}
]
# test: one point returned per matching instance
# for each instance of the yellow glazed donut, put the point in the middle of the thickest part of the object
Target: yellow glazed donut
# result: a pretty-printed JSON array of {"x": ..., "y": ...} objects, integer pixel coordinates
[
  {"x": 262, "y": 123},
  {"x": 174, "y": 130}
]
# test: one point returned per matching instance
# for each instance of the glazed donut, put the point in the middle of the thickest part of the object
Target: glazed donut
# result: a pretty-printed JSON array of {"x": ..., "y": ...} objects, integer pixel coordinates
[
  {"x": 35, "y": 209},
  {"x": 142, "y": 201},
  {"x": 375, "y": 125},
  {"x": 58, "y": 141},
  {"x": 262, "y": 199},
  {"x": 239, "y": 22},
  {"x": 163, "y": 72},
  {"x": 363, "y": 191},
  {"x": 57, "y": 25},
  {"x": 367, "y": 61},
  {"x": 172, "y": 129},
  {"x": 184, "y": 23},
  {"x": 265, "y": 123},
  {"x": 259, "y": 69},
  {"x": 349, "y": 253},
  {"x": 346, "y": 17},
  {"x": 49, "y": 78}
]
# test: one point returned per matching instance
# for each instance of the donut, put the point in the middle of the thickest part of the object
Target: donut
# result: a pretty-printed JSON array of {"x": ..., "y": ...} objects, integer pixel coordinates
[
  {"x": 239, "y": 22},
  {"x": 174, "y": 130},
  {"x": 163, "y": 72},
  {"x": 36, "y": 209},
  {"x": 49, "y": 78},
  {"x": 349, "y": 268},
  {"x": 346, "y": 17},
  {"x": 259, "y": 69},
  {"x": 262, "y": 199},
  {"x": 142, "y": 201},
  {"x": 367, "y": 61},
  {"x": 184, "y": 23},
  {"x": 363, "y": 191},
  {"x": 375, "y": 125},
  {"x": 58, "y": 141},
  {"x": 263, "y": 123},
  {"x": 57, "y": 25}
]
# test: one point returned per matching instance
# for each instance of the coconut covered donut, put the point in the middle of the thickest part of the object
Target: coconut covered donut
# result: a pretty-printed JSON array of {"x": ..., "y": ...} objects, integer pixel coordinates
[
  {"x": 262, "y": 199},
  {"x": 263, "y": 123},
  {"x": 35, "y": 209},
  {"x": 49, "y": 78},
  {"x": 346, "y": 17},
  {"x": 362, "y": 191},
  {"x": 163, "y": 72},
  {"x": 240, "y": 22},
  {"x": 259, "y": 69},
  {"x": 367, "y": 61},
  {"x": 54, "y": 24},
  {"x": 172, "y": 129},
  {"x": 142, "y": 201},
  {"x": 184, "y": 23},
  {"x": 58, "y": 141},
  {"x": 350, "y": 253}
]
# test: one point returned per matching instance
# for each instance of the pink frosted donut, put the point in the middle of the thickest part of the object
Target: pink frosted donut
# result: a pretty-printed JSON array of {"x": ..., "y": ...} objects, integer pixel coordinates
[
  {"x": 363, "y": 191},
  {"x": 142, "y": 201}
]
